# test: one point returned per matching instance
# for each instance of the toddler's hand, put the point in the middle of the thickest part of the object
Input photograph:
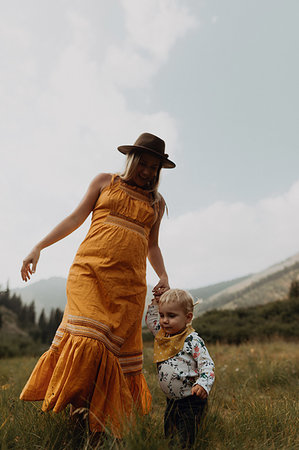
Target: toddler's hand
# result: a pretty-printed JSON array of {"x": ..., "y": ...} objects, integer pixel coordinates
[
  {"x": 199, "y": 391},
  {"x": 155, "y": 300}
]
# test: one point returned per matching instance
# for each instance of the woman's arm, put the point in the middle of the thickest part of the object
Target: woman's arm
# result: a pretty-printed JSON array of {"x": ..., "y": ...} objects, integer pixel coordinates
[
  {"x": 155, "y": 256},
  {"x": 68, "y": 225}
]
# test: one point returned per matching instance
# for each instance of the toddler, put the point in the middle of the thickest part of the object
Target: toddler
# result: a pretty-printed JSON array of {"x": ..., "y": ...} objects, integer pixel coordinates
[{"x": 185, "y": 368}]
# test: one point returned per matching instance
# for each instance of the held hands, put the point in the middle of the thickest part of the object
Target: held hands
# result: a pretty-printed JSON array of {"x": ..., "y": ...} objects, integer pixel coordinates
[
  {"x": 29, "y": 264},
  {"x": 161, "y": 287},
  {"x": 199, "y": 391}
]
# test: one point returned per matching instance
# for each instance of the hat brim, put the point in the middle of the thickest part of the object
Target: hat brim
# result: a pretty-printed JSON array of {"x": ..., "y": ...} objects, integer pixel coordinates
[{"x": 166, "y": 163}]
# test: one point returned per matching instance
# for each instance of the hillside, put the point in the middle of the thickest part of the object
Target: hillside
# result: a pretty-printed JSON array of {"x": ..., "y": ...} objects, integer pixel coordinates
[
  {"x": 257, "y": 323},
  {"x": 51, "y": 293},
  {"x": 9, "y": 324},
  {"x": 21, "y": 332},
  {"x": 261, "y": 288},
  {"x": 212, "y": 289},
  {"x": 15, "y": 340},
  {"x": 47, "y": 294}
]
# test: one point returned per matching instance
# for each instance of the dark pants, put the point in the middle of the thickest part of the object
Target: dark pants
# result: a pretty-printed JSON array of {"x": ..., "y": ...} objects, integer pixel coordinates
[{"x": 182, "y": 418}]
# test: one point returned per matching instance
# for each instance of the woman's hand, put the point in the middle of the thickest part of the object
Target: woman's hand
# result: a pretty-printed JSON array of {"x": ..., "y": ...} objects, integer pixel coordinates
[
  {"x": 29, "y": 264},
  {"x": 161, "y": 287}
]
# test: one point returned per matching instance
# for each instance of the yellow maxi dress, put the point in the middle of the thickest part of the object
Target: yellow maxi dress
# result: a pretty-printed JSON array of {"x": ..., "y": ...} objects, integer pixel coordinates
[{"x": 95, "y": 359}]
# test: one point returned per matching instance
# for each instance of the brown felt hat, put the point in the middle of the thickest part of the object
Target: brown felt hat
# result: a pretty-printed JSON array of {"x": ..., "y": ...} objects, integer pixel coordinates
[{"x": 147, "y": 142}]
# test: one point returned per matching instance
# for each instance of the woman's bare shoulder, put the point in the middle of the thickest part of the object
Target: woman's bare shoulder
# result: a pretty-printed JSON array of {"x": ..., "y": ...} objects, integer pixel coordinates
[
  {"x": 161, "y": 200},
  {"x": 161, "y": 203},
  {"x": 101, "y": 180}
]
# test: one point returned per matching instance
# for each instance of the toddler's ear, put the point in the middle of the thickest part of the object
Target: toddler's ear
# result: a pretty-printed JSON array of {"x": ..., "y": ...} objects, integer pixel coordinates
[{"x": 189, "y": 317}]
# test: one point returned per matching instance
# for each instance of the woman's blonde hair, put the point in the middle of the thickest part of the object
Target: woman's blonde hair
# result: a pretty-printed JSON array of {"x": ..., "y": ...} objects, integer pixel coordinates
[
  {"x": 180, "y": 297},
  {"x": 132, "y": 161}
]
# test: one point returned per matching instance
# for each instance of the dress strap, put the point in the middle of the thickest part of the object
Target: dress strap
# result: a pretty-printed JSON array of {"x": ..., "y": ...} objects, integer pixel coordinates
[{"x": 114, "y": 178}]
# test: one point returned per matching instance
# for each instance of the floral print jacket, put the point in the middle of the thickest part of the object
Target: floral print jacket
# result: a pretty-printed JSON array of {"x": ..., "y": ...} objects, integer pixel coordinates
[{"x": 192, "y": 365}]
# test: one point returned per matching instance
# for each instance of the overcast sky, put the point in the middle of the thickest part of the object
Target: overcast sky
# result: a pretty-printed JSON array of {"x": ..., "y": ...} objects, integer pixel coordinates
[{"x": 217, "y": 80}]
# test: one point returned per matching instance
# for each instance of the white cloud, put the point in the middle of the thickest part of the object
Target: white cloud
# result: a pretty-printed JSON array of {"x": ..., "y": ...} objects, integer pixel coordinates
[
  {"x": 155, "y": 25},
  {"x": 64, "y": 108},
  {"x": 225, "y": 240},
  {"x": 153, "y": 28},
  {"x": 63, "y": 112}
]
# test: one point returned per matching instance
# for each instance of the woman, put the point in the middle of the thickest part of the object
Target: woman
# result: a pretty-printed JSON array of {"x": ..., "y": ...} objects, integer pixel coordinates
[{"x": 95, "y": 359}]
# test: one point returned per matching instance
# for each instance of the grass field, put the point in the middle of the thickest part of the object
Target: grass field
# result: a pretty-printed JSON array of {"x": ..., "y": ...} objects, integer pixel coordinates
[{"x": 253, "y": 405}]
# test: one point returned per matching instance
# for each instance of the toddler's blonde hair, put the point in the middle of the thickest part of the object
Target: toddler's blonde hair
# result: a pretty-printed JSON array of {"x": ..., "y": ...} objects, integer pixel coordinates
[{"x": 180, "y": 297}]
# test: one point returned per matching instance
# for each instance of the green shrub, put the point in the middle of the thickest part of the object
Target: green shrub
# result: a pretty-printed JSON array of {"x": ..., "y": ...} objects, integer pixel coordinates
[{"x": 279, "y": 318}]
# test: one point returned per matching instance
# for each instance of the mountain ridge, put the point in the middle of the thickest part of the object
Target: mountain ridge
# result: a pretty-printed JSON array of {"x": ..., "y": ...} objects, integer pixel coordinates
[{"x": 262, "y": 287}]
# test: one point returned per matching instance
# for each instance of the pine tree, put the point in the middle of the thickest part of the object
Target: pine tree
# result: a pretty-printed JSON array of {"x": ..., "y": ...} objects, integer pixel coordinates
[
  {"x": 294, "y": 289},
  {"x": 42, "y": 325}
]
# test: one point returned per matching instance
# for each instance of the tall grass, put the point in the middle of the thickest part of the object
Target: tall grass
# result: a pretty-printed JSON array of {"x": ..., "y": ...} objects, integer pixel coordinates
[{"x": 253, "y": 405}]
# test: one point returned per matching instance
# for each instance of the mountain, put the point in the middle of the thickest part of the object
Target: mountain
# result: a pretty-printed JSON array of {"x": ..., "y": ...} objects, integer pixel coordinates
[
  {"x": 51, "y": 293},
  {"x": 263, "y": 287},
  {"x": 260, "y": 288},
  {"x": 207, "y": 291},
  {"x": 47, "y": 294}
]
